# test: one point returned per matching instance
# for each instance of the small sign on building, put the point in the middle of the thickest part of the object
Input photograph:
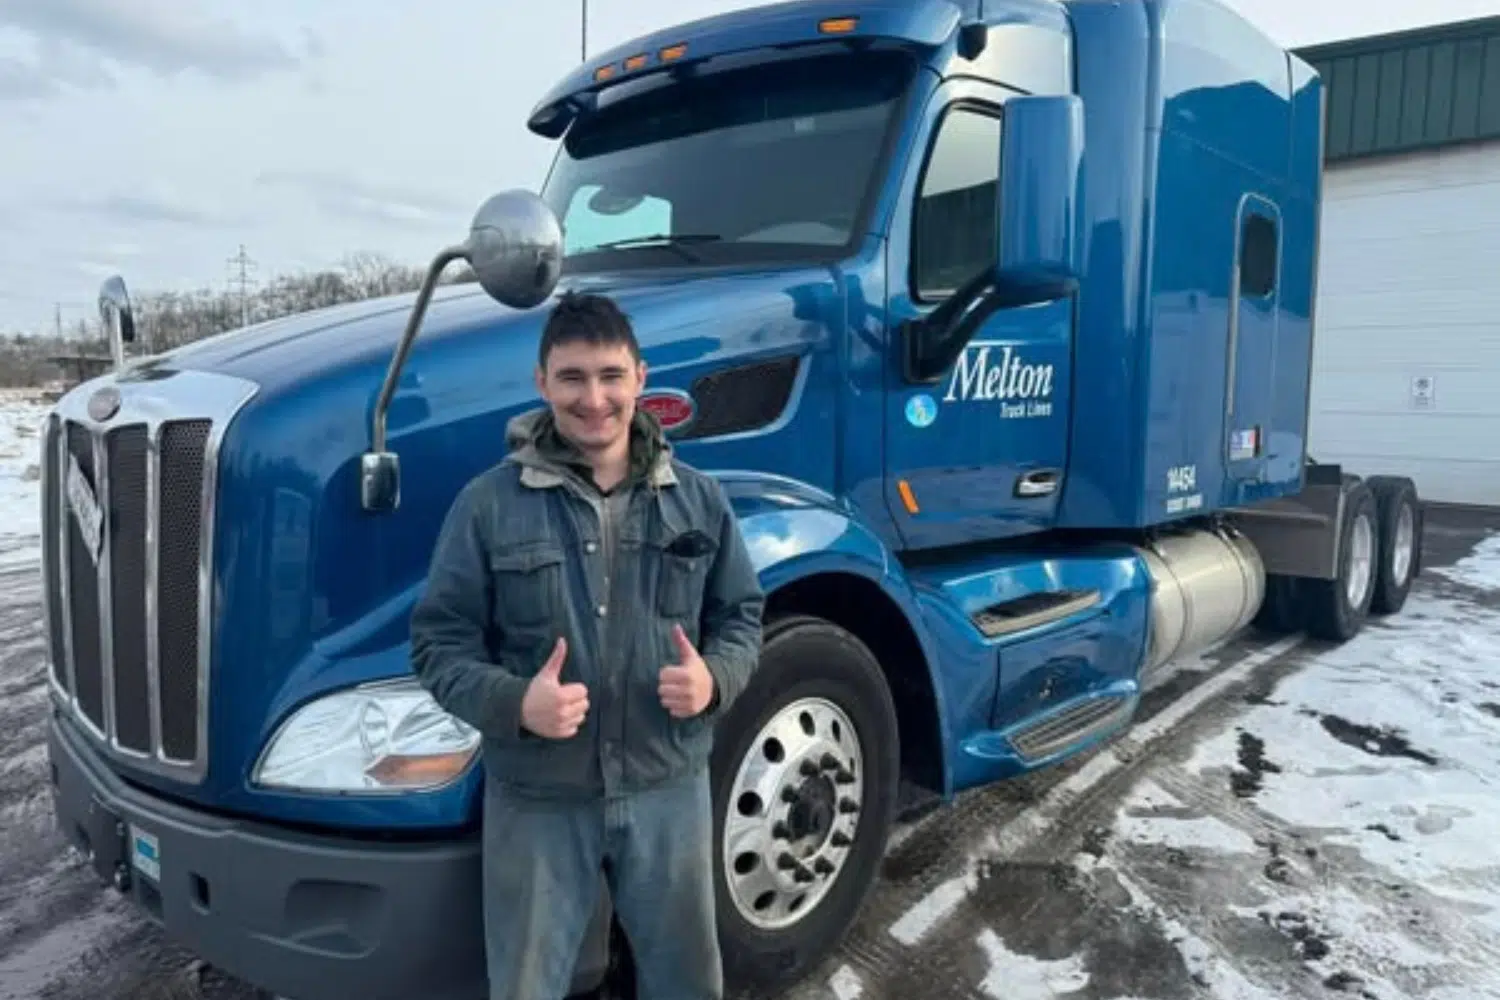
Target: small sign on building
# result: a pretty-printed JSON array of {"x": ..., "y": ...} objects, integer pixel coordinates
[{"x": 1423, "y": 392}]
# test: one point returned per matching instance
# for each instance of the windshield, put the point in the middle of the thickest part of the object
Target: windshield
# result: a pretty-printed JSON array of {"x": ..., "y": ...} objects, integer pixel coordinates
[{"x": 766, "y": 163}]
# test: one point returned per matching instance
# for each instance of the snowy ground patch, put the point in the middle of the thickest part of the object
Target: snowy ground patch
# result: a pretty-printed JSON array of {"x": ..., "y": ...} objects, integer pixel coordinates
[{"x": 21, "y": 418}]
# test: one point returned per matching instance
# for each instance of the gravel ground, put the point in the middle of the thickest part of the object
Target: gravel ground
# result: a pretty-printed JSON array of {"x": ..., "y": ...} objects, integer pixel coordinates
[{"x": 1285, "y": 821}]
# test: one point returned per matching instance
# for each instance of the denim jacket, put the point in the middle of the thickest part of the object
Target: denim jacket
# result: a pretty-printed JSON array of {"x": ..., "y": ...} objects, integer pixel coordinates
[{"x": 520, "y": 561}]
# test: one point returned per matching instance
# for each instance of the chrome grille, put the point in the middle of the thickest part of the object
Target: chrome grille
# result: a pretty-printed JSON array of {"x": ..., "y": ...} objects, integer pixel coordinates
[{"x": 129, "y": 626}]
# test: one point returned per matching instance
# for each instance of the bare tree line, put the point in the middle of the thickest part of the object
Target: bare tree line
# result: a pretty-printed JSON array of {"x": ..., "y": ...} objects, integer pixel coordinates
[{"x": 169, "y": 319}]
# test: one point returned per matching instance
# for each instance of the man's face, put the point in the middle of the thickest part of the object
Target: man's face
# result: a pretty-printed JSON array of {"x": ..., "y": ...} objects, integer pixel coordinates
[{"x": 592, "y": 391}]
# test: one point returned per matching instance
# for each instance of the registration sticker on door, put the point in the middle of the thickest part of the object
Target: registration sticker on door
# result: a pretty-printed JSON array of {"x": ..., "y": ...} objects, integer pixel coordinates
[{"x": 145, "y": 854}]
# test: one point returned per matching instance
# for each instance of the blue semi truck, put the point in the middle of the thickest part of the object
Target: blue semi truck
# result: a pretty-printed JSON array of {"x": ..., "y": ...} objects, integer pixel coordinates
[{"x": 995, "y": 320}]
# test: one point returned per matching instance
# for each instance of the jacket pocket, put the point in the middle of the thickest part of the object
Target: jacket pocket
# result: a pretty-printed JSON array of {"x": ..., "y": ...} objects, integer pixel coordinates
[
  {"x": 528, "y": 585},
  {"x": 680, "y": 582}
]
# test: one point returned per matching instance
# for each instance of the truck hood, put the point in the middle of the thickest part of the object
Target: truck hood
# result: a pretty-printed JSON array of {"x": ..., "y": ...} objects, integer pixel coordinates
[
  {"x": 312, "y": 593},
  {"x": 358, "y": 334}
]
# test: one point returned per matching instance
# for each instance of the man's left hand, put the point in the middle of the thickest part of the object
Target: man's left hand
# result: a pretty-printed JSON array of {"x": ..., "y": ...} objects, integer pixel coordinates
[{"x": 686, "y": 687}]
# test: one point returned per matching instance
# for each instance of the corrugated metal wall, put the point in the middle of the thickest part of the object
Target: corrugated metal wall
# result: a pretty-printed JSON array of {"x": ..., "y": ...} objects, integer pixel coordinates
[{"x": 1411, "y": 91}]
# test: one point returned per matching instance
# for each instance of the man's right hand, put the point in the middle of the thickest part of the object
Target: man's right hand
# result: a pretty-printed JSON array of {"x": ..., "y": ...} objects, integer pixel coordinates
[{"x": 551, "y": 708}]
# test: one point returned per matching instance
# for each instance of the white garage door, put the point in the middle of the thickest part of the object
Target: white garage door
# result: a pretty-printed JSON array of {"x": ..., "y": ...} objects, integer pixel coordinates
[{"x": 1406, "y": 367}]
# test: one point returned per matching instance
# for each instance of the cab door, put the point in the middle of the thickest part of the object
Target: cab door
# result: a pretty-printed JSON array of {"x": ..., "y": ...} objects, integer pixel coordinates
[{"x": 982, "y": 451}]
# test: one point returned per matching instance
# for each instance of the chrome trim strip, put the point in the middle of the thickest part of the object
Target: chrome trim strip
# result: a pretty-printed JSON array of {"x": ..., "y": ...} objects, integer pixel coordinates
[
  {"x": 65, "y": 573},
  {"x": 103, "y": 473},
  {"x": 56, "y": 658},
  {"x": 152, "y": 399},
  {"x": 153, "y": 532}
]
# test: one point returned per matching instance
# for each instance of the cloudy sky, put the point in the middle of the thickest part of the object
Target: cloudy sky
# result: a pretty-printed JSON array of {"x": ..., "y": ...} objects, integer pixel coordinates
[{"x": 154, "y": 137}]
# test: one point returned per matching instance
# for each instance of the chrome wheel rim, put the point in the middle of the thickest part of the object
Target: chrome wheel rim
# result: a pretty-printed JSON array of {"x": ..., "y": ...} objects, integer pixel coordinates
[
  {"x": 792, "y": 813},
  {"x": 1404, "y": 544},
  {"x": 1361, "y": 559}
]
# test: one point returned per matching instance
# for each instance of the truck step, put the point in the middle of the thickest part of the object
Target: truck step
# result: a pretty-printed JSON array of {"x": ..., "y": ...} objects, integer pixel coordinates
[
  {"x": 1044, "y": 737},
  {"x": 1032, "y": 610}
]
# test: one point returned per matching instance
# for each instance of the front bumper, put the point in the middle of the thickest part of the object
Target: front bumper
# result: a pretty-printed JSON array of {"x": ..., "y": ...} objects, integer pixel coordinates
[{"x": 302, "y": 916}]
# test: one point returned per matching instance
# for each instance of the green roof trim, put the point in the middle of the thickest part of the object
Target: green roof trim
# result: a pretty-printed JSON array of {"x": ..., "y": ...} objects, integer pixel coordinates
[{"x": 1412, "y": 90}]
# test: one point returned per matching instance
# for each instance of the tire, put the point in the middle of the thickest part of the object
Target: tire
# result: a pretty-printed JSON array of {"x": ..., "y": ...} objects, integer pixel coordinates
[
  {"x": 1400, "y": 520},
  {"x": 808, "y": 665},
  {"x": 1332, "y": 611}
]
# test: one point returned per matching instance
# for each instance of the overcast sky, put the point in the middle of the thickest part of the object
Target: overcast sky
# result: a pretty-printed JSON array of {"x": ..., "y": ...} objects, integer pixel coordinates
[{"x": 154, "y": 137}]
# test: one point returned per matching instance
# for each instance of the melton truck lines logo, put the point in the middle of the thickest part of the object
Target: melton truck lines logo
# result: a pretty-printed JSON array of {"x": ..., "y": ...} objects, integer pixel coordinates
[{"x": 992, "y": 371}]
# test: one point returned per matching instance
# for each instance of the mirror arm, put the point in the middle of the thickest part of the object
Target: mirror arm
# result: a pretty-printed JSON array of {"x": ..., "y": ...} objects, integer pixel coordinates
[
  {"x": 952, "y": 323},
  {"x": 380, "y": 470},
  {"x": 413, "y": 323}
]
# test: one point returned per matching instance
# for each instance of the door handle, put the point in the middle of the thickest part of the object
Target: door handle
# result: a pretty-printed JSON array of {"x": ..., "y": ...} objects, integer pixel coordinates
[{"x": 1038, "y": 483}]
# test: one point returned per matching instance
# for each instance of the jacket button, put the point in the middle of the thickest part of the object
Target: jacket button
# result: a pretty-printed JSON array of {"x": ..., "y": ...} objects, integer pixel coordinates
[
  {"x": 589, "y": 546},
  {"x": 601, "y": 611}
]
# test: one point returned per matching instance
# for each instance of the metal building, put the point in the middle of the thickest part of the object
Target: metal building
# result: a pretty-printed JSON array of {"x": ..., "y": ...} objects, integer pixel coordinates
[{"x": 1407, "y": 360}]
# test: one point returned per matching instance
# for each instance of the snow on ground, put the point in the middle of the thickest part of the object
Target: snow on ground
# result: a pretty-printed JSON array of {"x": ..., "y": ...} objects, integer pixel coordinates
[
  {"x": 20, "y": 515},
  {"x": 1351, "y": 810}
]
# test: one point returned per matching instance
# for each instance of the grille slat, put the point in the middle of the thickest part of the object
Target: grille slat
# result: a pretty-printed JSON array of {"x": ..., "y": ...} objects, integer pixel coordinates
[
  {"x": 183, "y": 446},
  {"x": 83, "y": 582},
  {"x": 126, "y": 450}
]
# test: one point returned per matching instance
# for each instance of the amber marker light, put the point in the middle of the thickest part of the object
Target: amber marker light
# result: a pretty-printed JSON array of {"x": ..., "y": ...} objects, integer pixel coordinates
[
  {"x": 604, "y": 73},
  {"x": 635, "y": 62},
  {"x": 426, "y": 770},
  {"x": 837, "y": 25},
  {"x": 673, "y": 53},
  {"x": 907, "y": 496}
]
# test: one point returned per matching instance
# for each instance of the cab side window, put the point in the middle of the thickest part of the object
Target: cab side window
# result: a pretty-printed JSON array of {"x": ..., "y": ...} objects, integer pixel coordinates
[{"x": 953, "y": 233}]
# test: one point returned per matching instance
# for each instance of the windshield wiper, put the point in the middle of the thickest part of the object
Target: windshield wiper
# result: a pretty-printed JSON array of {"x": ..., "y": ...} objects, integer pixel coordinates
[{"x": 673, "y": 241}]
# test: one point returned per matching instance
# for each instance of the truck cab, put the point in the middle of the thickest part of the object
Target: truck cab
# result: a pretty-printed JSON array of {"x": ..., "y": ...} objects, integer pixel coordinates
[{"x": 994, "y": 320}]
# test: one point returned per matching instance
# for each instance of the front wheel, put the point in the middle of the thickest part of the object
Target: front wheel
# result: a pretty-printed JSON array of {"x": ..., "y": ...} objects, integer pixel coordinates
[{"x": 805, "y": 772}]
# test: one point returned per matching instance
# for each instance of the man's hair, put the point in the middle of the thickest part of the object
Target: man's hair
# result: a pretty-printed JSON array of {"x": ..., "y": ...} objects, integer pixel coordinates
[{"x": 592, "y": 319}]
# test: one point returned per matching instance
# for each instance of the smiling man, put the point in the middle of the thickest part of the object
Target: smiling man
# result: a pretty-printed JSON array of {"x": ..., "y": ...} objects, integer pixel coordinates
[{"x": 591, "y": 608}]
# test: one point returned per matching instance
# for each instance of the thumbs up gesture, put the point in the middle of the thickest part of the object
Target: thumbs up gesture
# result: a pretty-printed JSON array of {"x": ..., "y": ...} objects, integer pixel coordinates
[
  {"x": 685, "y": 687},
  {"x": 551, "y": 708}
]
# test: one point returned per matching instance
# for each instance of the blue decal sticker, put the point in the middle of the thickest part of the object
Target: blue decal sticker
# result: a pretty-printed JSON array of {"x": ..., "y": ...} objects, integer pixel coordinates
[{"x": 921, "y": 410}]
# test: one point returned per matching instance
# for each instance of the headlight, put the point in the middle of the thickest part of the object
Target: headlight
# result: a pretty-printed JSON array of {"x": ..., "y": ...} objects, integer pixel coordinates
[{"x": 390, "y": 736}]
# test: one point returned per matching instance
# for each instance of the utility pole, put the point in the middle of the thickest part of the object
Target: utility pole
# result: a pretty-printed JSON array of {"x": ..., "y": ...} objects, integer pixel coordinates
[
  {"x": 245, "y": 264},
  {"x": 583, "y": 40}
]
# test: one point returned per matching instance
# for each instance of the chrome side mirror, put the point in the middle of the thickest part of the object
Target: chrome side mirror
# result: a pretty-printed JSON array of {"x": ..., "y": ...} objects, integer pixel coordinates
[
  {"x": 515, "y": 248},
  {"x": 117, "y": 317}
]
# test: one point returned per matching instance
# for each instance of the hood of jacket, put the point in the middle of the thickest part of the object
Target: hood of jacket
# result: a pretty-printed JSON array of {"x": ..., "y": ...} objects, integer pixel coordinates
[{"x": 547, "y": 457}]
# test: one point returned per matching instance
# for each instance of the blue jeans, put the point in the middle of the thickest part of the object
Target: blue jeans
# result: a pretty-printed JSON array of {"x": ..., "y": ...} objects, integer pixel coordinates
[{"x": 542, "y": 860}]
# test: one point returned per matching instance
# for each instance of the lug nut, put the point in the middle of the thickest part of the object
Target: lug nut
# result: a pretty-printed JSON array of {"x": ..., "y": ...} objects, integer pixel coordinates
[{"x": 807, "y": 769}]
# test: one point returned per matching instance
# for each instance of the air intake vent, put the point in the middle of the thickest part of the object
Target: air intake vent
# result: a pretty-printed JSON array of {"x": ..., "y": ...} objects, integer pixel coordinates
[{"x": 745, "y": 398}]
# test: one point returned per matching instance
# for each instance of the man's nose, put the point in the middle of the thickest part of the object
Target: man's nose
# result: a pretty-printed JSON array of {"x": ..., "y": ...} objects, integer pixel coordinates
[{"x": 593, "y": 395}]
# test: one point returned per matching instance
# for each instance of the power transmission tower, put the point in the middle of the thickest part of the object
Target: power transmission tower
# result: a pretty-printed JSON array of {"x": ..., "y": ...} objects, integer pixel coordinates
[{"x": 246, "y": 265}]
